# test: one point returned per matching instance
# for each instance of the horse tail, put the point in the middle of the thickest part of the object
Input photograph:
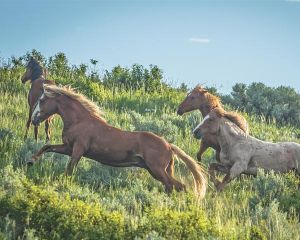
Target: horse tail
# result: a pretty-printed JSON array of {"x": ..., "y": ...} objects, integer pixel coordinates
[
  {"x": 195, "y": 168},
  {"x": 239, "y": 120}
]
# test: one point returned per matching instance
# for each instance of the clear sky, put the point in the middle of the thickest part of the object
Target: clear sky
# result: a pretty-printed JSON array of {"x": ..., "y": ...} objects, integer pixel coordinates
[{"x": 217, "y": 43}]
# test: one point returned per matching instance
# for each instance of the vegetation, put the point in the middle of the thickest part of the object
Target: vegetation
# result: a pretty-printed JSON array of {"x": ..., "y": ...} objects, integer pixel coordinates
[
  {"x": 101, "y": 202},
  {"x": 281, "y": 103}
]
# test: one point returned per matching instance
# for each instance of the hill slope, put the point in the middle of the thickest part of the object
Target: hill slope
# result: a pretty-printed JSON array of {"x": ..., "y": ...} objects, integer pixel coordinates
[{"x": 102, "y": 202}]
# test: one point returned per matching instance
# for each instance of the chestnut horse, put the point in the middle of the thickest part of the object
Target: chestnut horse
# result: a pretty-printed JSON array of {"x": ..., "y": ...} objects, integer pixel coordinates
[
  {"x": 34, "y": 73},
  {"x": 86, "y": 133},
  {"x": 199, "y": 98},
  {"x": 241, "y": 153}
]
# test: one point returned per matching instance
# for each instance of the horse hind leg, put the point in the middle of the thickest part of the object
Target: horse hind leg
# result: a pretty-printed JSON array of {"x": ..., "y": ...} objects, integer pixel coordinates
[
  {"x": 170, "y": 171},
  {"x": 160, "y": 174}
]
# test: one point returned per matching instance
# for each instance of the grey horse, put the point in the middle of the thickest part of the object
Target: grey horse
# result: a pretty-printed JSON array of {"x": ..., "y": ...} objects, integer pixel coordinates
[{"x": 241, "y": 153}]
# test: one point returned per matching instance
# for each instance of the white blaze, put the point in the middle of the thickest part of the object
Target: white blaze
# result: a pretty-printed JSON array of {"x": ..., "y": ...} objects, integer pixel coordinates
[{"x": 204, "y": 119}]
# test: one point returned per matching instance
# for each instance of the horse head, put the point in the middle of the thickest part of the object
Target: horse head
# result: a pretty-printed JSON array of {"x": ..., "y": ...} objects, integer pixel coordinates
[
  {"x": 210, "y": 124},
  {"x": 192, "y": 101},
  {"x": 45, "y": 107},
  {"x": 34, "y": 70}
]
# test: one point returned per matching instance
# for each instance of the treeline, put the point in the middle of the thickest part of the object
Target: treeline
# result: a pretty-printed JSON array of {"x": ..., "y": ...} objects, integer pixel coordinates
[
  {"x": 281, "y": 104},
  {"x": 130, "y": 79}
]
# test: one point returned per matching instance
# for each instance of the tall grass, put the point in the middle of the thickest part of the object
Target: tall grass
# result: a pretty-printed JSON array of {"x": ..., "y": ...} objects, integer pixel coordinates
[{"x": 101, "y": 202}]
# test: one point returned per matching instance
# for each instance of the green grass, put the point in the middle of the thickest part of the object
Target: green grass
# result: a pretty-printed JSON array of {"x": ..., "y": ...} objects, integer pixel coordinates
[{"x": 101, "y": 202}]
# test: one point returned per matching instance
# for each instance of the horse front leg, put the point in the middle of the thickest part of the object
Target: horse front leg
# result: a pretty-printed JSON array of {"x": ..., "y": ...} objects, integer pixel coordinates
[
  {"x": 236, "y": 169},
  {"x": 77, "y": 153},
  {"x": 218, "y": 156},
  {"x": 27, "y": 124},
  {"x": 203, "y": 147},
  {"x": 47, "y": 129},
  {"x": 216, "y": 167},
  {"x": 60, "y": 148},
  {"x": 36, "y": 131}
]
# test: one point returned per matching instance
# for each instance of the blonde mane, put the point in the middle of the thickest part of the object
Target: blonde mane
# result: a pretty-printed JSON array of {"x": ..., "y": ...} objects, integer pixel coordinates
[
  {"x": 51, "y": 90},
  {"x": 233, "y": 117},
  {"x": 212, "y": 100}
]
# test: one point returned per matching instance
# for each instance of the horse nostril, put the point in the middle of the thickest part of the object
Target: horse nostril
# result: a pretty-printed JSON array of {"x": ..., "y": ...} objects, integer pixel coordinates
[
  {"x": 197, "y": 134},
  {"x": 179, "y": 111}
]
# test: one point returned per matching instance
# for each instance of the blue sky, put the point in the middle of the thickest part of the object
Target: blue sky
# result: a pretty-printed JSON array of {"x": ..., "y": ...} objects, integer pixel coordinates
[{"x": 216, "y": 43}]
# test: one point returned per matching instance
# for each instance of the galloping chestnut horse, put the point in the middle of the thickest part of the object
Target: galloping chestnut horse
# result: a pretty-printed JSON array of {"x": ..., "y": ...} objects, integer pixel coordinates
[
  {"x": 199, "y": 98},
  {"x": 241, "y": 153},
  {"x": 35, "y": 73},
  {"x": 86, "y": 133}
]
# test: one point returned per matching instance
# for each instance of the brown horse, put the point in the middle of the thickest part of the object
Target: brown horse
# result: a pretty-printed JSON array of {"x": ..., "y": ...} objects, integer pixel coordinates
[
  {"x": 241, "y": 153},
  {"x": 199, "y": 98},
  {"x": 35, "y": 73},
  {"x": 87, "y": 134}
]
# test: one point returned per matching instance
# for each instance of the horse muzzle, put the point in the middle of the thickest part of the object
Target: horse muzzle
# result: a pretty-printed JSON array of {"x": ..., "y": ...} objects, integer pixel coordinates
[
  {"x": 24, "y": 79},
  {"x": 180, "y": 112},
  {"x": 36, "y": 121},
  {"x": 197, "y": 134}
]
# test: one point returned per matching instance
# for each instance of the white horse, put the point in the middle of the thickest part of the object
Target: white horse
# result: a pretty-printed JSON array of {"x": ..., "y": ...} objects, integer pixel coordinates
[{"x": 241, "y": 153}]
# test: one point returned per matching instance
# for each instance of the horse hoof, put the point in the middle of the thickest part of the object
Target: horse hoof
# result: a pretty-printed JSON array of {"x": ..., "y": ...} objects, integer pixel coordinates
[{"x": 30, "y": 162}]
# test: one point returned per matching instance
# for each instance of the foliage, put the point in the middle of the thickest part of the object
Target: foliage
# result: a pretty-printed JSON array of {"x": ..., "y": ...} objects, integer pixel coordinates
[
  {"x": 127, "y": 203},
  {"x": 281, "y": 103}
]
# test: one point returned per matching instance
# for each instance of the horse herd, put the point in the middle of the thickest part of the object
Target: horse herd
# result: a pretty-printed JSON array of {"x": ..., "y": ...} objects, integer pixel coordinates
[{"x": 86, "y": 133}]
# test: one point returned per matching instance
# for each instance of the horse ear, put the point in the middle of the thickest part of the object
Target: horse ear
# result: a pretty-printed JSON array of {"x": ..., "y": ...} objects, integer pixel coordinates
[{"x": 203, "y": 90}]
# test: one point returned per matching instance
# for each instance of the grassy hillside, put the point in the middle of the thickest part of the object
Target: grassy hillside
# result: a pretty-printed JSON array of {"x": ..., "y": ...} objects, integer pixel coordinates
[{"x": 102, "y": 202}]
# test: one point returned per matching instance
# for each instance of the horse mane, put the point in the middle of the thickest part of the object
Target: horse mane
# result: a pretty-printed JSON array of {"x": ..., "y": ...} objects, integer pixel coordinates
[
  {"x": 37, "y": 69},
  {"x": 91, "y": 107},
  {"x": 213, "y": 100},
  {"x": 233, "y": 117}
]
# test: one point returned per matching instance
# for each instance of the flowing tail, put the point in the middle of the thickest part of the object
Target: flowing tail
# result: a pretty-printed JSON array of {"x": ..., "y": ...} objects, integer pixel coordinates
[{"x": 197, "y": 171}]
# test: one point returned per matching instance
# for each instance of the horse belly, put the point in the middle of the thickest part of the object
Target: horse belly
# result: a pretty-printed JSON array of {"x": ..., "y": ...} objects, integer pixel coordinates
[{"x": 117, "y": 158}]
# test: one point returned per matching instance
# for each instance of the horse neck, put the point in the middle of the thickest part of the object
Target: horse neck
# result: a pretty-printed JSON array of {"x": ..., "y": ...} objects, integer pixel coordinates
[
  {"x": 71, "y": 111},
  {"x": 40, "y": 78},
  {"x": 229, "y": 134},
  {"x": 208, "y": 105}
]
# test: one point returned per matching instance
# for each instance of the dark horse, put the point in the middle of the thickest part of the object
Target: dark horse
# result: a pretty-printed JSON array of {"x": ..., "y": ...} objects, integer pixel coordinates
[
  {"x": 86, "y": 133},
  {"x": 35, "y": 73},
  {"x": 199, "y": 98}
]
